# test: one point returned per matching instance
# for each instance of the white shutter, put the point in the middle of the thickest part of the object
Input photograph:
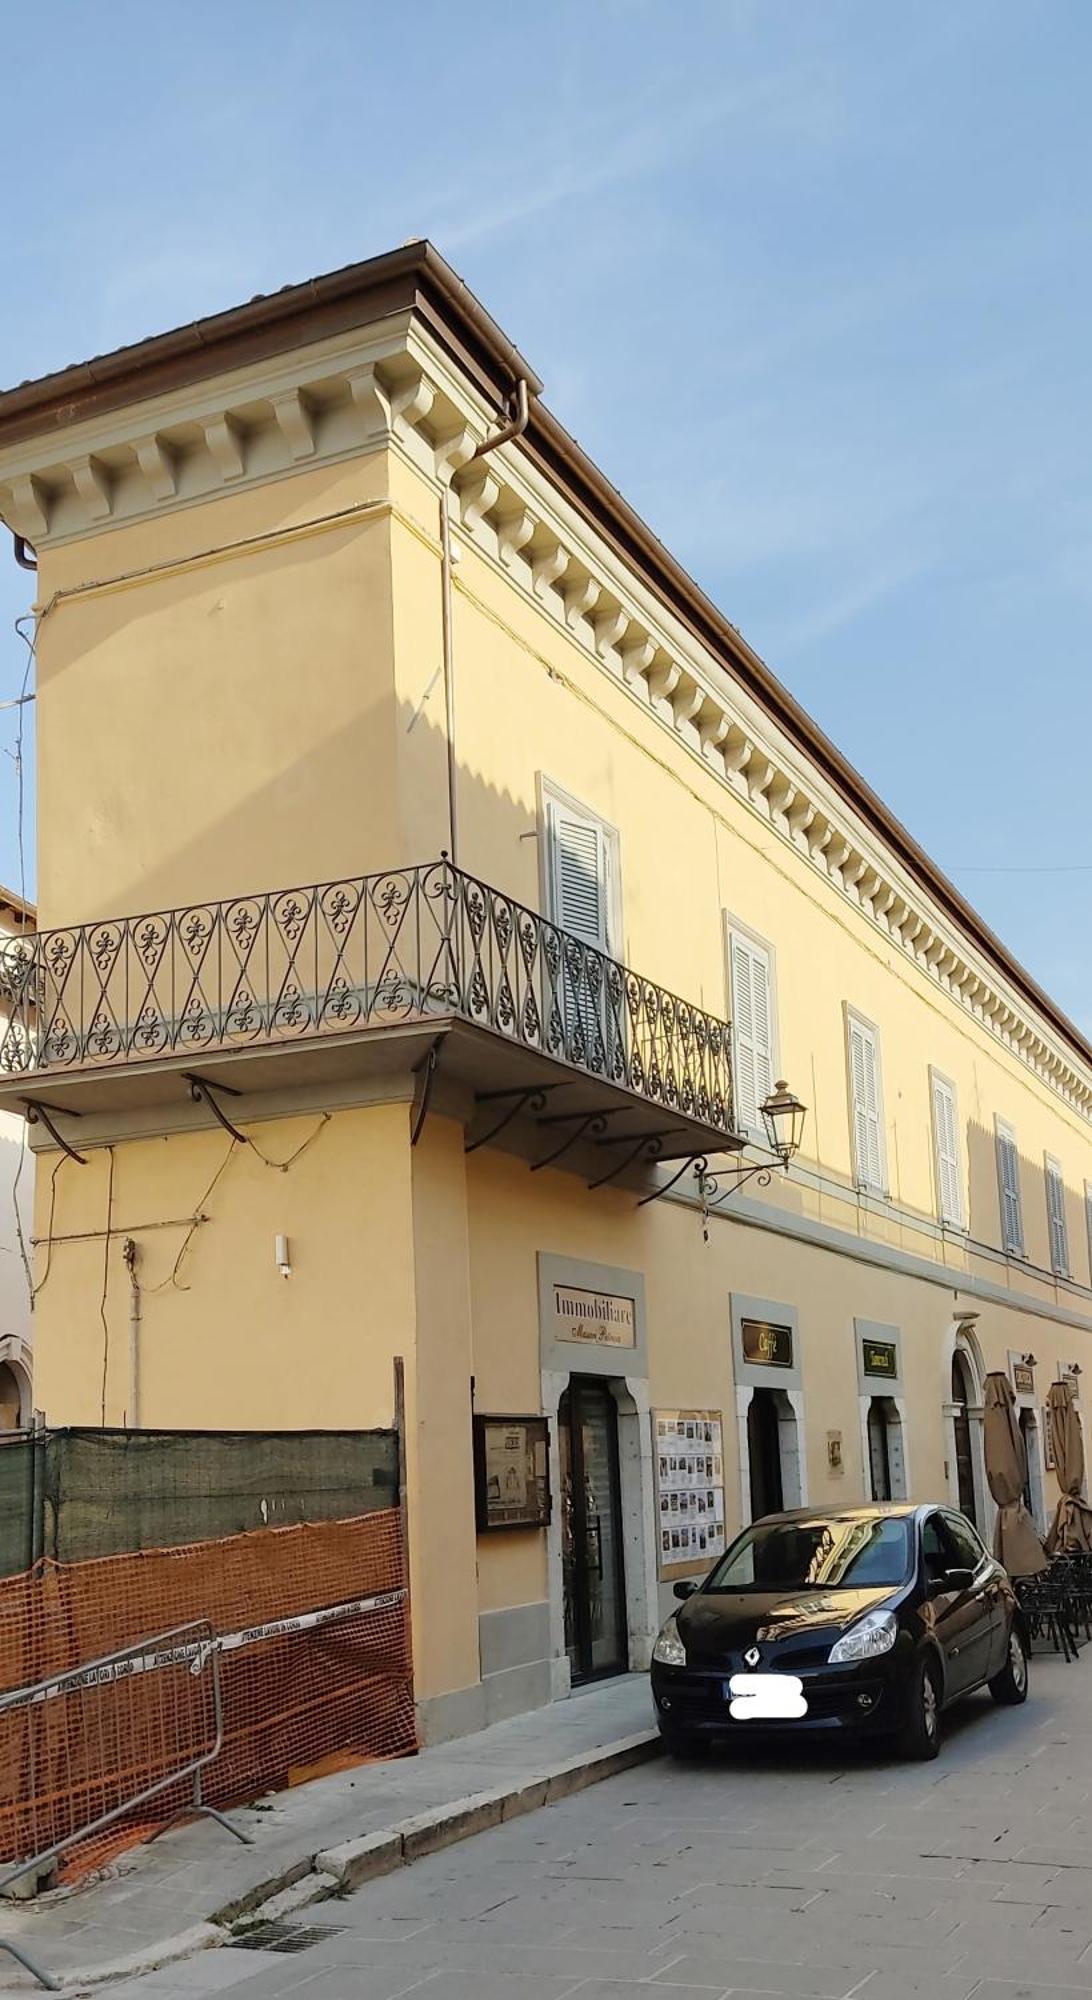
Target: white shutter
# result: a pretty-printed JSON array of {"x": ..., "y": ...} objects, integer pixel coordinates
[
  {"x": 864, "y": 1076},
  {"x": 1008, "y": 1180},
  {"x": 1059, "y": 1233},
  {"x": 581, "y": 869},
  {"x": 579, "y": 864},
  {"x": 752, "y": 1028},
  {"x": 946, "y": 1135}
]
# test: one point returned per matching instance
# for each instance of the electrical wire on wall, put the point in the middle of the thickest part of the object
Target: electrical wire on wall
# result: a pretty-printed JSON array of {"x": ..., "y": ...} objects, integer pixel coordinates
[
  {"x": 106, "y": 1282},
  {"x": 35, "y": 1289},
  {"x": 171, "y": 1282},
  {"x": 282, "y": 1166}
]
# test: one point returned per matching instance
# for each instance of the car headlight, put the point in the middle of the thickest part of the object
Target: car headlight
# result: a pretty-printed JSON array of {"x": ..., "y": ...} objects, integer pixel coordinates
[
  {"x": 669, "y": 1650},
  {"x": 874, "y": 1634}
]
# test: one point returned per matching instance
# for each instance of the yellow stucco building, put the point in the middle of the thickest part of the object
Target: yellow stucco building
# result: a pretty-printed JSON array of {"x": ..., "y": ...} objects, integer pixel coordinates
[{"x": 296, "y": 627}]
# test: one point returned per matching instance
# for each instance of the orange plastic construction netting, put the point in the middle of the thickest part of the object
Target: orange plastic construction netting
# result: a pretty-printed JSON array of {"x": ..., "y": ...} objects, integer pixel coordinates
[{"x": 335, "y": 1685}]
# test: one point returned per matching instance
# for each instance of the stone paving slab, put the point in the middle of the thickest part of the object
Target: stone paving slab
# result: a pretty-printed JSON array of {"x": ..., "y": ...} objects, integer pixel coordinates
[{"x": 155, "y": 1902}]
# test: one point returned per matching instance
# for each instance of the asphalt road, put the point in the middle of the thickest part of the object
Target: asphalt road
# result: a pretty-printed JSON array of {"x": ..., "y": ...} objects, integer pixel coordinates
[{"x": 793, "y": 1872}]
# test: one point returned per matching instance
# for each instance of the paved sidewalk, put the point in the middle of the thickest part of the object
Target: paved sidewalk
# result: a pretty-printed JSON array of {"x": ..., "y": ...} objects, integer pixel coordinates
[{"x": 161, "y": 1902}]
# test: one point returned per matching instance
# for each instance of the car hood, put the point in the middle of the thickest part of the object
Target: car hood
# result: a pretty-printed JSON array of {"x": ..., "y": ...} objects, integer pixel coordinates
[{"x": 717, "y": 1628}]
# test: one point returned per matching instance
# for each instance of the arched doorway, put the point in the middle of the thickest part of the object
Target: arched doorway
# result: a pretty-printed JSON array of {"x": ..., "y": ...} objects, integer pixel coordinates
[
  {"x": 879, "y": 1457},
  {"x": 886, "y": 1457},
  {"x": 592, "y": 1559},
  {"x": 764, "y": 1453},
  {"x": 1033, "y": 1487},
  {"x": 11, "y": 1400},
  {"x": 962, "y": 1392}
]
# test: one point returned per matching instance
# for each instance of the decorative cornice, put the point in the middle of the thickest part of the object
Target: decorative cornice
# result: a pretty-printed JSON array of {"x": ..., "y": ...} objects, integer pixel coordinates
[{"x": 393, "y": 384}]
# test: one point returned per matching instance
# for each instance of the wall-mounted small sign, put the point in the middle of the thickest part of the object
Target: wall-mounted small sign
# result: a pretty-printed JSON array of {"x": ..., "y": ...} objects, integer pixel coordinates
[
  {"x": 835, "y": 1461},
  {"x": 1023, "y": 1378},
  {"x": 766, "y": 1345},
  {"x": 601, "y": 1318},
  {"x": 880, "y": 1357},
  {"x": 511, "y": 1472},
  {"x": 1048, "y": 1441}
]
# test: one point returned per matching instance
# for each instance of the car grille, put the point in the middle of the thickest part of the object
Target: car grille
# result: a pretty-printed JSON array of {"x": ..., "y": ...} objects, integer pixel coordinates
[{"x": 693, "y": 1700}]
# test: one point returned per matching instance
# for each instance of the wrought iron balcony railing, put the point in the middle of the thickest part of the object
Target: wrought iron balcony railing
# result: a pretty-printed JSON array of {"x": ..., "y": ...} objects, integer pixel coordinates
[{"x": 412, "y": 945}]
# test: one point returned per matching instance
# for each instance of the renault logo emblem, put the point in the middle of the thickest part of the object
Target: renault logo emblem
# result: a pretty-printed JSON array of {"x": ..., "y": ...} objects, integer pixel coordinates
[{"x": 751, "y": 1657}]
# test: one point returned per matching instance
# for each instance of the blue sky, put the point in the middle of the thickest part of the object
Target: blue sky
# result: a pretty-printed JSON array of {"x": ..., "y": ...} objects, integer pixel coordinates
[{"x": 811, "y": 281}]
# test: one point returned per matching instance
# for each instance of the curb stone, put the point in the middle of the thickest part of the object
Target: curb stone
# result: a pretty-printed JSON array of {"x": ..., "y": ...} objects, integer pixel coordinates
[{"x": 356, "y": 1861}]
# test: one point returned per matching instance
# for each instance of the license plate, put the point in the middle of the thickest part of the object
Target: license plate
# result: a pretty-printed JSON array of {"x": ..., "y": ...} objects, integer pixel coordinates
[{"x": 765, "y": 1698}]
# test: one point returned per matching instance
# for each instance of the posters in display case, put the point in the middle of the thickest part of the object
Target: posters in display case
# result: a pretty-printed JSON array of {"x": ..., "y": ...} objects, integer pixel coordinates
[
  {"x": 511, "y": 1472},
  {"x": 688, "y": 1449}
]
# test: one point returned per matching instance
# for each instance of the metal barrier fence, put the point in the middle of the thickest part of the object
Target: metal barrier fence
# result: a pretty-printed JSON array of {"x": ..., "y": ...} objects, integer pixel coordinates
[
  {"x": 92, "y": 1745},
  {"x": 288, "y": 1650}
]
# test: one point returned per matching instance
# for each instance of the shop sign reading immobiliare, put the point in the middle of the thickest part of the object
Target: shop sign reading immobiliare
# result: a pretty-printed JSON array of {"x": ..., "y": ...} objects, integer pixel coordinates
[{"x": 600, "y": 1318}]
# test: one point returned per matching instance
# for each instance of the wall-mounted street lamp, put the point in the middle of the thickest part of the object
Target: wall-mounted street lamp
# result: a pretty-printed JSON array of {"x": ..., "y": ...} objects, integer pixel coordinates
[{"x": 783, "y": 1118}]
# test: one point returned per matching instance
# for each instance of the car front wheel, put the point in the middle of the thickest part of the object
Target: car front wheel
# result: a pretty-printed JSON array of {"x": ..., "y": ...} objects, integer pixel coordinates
[
  {"x": 1010, "y": 1686},
  {"x": 921, "y": 1729}
]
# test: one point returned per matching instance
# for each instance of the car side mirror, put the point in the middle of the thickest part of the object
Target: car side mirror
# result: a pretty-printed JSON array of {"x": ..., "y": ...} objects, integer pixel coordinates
[
  {"x": 957, "y": 1579},
  {"x": 685, "y": 1589}
]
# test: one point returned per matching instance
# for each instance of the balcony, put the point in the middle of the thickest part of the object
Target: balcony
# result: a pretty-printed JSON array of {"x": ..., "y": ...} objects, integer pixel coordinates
[{"x": 414, "y": 969}]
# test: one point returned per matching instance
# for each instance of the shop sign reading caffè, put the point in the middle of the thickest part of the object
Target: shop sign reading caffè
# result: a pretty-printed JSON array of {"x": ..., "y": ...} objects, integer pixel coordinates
[
  {"x": 767, "y": 1345},
  {"x": 601, "y": 1319}
]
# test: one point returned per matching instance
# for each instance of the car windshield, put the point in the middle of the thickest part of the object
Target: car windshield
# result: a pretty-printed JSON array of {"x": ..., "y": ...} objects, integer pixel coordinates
[{"x": 816, "y": 1555}]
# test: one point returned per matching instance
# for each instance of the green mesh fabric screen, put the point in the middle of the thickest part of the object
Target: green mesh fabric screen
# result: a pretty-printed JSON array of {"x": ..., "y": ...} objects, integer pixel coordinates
[
  {"x": 101, "y": 1492},
  {"x": 17, "y": 1511}
]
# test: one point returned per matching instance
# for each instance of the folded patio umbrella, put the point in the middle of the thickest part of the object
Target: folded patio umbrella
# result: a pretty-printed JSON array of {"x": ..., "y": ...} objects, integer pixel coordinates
[
  {"x": 1015, "y": 1541},
  {"x": 1072, "y": 1524}
]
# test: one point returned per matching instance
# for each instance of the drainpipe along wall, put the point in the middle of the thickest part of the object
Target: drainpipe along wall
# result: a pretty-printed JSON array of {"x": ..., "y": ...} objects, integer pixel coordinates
[{"x": 514, "y": 428}]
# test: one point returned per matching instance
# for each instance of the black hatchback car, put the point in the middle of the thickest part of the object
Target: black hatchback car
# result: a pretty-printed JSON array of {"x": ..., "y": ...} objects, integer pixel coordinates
[{"x": 866, "y": 1620}]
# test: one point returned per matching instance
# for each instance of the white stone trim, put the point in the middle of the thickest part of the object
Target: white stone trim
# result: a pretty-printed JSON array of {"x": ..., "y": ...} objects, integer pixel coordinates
[
  {"x": 15, "y": 1353},
  {"x": 393, "y": 384},
  {"x": 639, "y": 1541}
]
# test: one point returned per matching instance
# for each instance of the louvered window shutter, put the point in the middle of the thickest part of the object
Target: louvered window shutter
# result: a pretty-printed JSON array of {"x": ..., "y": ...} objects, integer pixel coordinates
[
  {"x": 580, "y": 873},
  {"x": 752, "y": 1028},
  {"x": 865, "y": 1084},
  {"x": 1008, "y": 1175},
  {"x": 1059, "y": 1233},
  {"x": 580, "y": 876},
  {"x": 947, "y": 1145}
]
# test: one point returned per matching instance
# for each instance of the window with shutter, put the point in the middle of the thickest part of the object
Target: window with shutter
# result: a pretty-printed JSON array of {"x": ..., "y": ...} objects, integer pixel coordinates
[
  {"x": 946, "y": 1141},
  {"x": 864, "y": 1080},
  {"x": 1056, "y": 1218},
  {"x": 752, "y": 1028},
  {"x": 581, "y": 866},
  {"x": 1008, "y": 1183}
]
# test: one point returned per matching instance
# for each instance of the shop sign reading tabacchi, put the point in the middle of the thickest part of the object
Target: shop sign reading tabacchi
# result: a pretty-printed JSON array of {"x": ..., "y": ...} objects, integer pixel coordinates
[{"x": 598, "y": 1317}]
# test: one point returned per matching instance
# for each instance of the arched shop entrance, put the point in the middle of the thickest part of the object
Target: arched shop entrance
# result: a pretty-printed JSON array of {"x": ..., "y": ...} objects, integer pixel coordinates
[
  {"x": 962, "y": 1392},
  {"x": 592, "y": 1560},
  {"x": 764, "y": 1448},
  {"x": 886, "y": 1459}
]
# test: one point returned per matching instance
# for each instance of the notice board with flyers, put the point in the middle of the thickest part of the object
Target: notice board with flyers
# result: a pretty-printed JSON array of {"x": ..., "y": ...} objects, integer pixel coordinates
[{"x": 688, "y": 1448}]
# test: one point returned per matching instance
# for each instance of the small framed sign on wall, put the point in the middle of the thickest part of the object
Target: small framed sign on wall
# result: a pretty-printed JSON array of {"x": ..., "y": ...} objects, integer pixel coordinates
[{"x": 511, "y": 1472}]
